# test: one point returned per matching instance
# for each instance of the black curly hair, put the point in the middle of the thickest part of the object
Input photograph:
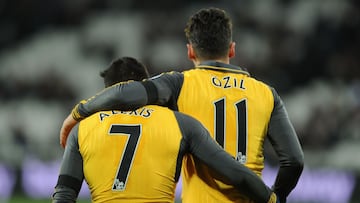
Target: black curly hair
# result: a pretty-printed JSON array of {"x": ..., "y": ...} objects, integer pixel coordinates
[
  {"x": 209, "y": 31},
  {"x": 124, "y": 69}
]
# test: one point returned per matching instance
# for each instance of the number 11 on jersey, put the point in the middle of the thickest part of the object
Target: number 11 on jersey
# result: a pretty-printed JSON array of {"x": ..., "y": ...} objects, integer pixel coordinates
[{"x": 241, "y": 126}]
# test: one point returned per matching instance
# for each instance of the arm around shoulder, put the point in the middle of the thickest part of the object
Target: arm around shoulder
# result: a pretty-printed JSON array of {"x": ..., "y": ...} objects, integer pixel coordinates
[{"x": 205, "y": 149}]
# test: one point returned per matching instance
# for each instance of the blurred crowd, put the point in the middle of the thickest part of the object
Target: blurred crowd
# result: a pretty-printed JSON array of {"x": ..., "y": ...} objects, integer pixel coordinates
[{"x": 51, "y": 53}]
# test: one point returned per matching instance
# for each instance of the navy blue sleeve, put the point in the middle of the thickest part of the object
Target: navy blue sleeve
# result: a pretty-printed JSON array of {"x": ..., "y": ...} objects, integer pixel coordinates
[
  {"x": 71, "y": 172},
  {"x": 161, "y": 90},
  {"x": 121, "y": 96},
  {"x": 168, "y": 87},
  {"x": 284, "y": 140}
]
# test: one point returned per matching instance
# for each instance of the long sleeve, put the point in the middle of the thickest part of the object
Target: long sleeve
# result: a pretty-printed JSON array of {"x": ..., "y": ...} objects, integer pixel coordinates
[
  {"x": 123, "y": 96},
  {"x": 285, "y": 142},
  {"x": 161, "y": 90},
  {"x": 71, "y": 172}
]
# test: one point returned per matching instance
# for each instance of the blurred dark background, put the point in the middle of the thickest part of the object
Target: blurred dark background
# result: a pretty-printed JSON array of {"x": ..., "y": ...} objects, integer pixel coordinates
[{"x": 51, "y": 53}]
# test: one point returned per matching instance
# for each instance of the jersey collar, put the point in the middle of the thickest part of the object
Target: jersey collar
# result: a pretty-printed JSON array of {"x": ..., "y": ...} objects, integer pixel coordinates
[{"x": 224, "y": 67}]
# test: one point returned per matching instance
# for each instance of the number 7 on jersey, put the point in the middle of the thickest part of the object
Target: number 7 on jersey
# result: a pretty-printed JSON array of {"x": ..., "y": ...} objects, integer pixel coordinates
[{"x": 133, "y": 132}]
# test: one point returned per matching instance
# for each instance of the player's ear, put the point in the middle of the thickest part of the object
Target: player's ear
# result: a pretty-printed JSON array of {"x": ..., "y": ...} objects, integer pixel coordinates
[
  {"x": 232, "y": 50},
  {"x": 190, "y": 52}
]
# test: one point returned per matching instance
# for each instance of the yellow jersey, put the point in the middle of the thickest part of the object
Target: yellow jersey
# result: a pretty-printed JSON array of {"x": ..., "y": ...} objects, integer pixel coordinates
[
  {"x": 136, "y": 156},
  {"x": 123, "y": 165},
  {"x": 236, "y": 110}
]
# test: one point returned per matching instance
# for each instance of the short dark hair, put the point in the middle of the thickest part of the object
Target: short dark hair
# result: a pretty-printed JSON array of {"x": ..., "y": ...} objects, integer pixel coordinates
[
  {"x": 124, "y": 69},
  {"x": 210, "y": 33}
]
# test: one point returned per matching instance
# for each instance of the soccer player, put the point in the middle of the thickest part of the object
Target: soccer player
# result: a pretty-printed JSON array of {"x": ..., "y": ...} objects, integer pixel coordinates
[
  {"x": 238, "y": 110},
  {"x": 136, "y": 156}
]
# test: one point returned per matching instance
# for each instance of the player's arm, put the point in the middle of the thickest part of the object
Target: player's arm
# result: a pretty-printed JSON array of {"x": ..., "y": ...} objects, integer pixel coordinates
[
  {"x": 162, "y": 90},
  {"x": 285, "y": 142},
  {"x": 122, "y": 96},
  {"x": 71, "y": 172},
  {"x": 205, "y": 149},
  {"x": 132, "y": 95}
]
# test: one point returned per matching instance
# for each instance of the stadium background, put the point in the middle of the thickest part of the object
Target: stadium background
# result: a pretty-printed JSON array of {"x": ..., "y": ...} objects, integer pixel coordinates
[{"x": 51, "y": 53}]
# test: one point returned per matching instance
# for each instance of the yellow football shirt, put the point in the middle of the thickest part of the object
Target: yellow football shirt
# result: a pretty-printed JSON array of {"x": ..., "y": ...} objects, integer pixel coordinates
[
  {"x": 236, "y": 110},
  {"x": 118, "y": 160}
]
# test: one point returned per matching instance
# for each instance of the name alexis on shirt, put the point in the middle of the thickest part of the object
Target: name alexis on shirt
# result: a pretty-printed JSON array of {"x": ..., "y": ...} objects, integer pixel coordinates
[
  {"x": 143, "y": 112},
  {"x": 228, "y": 82}
]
